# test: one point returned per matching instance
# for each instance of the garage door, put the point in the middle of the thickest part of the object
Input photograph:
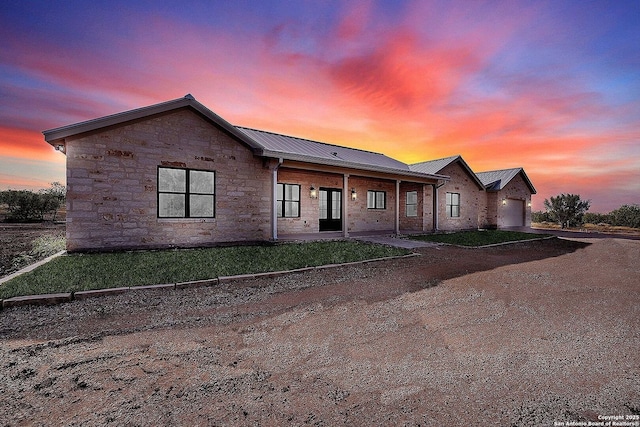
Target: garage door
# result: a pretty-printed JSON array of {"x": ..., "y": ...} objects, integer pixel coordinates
[{"x": 513, "y": 213}]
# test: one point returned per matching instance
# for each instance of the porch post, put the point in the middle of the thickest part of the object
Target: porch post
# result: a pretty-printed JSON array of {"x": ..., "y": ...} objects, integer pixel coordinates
[
  {"x": 397, "y": 225},
  {"x": 346, "y": 195},
  {"x": 435, "y": 207}
]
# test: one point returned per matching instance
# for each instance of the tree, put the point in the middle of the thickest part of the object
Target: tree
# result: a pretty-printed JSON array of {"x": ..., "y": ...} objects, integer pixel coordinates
[
  {"x": 626, "y": 216},
  {"x": 27, "y": 206},
  {"x": 567, "y": 209}
]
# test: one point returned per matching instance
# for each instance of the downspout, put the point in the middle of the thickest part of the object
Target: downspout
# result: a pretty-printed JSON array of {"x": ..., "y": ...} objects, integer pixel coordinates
[
  {"x": 274, "y": 201},
  {"x": 397, "y": 224},
  {"x": 345, "y": 209}
]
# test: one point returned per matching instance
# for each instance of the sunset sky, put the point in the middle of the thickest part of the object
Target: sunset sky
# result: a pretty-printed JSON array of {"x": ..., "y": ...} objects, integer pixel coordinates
[{"x": 552, "y": 86}]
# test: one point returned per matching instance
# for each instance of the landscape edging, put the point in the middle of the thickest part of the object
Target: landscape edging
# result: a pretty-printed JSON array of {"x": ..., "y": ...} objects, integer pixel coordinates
[{"x": 50, "y": 299}]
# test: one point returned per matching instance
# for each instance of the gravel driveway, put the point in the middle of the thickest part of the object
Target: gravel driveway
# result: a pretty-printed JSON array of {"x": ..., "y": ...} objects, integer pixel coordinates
[{"x": 525, "y": 334}]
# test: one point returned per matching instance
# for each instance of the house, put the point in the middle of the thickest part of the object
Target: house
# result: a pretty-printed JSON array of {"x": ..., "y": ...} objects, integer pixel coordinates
[
  {"x": 508, "y": 197},
  {"x": 175, "y": 174}
]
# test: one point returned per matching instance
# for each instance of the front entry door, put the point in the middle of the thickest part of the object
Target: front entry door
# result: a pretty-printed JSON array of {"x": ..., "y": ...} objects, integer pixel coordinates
[{"x": 330, "y": 209}]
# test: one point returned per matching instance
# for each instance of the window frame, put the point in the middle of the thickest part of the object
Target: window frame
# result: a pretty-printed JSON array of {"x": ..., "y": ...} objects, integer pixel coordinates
[
  {"x": 450, "y": 205},
  {"x": 413, "y": 205},
  {"x": 187, "y": 193},
  {"x": 375, "y": 199},
  {"x": 283, "y": 202}
]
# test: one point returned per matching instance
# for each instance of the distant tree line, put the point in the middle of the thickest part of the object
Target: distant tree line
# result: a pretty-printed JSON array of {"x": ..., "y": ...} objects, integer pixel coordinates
[
  {"x": 569, "y": 211},
  {"x": 30, "y": 206}
]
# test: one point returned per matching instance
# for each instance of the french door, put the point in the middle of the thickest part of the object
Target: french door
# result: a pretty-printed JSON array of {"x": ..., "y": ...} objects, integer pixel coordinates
[{"x": 330, "y": 209}]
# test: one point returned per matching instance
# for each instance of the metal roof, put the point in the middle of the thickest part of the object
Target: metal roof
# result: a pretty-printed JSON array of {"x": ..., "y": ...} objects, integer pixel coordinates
[
  {"x": 262, "y": 143},
  {"x": 293, "y": 148},
  {"x": 498, "y": 179},
  {"x": 436, "y": 166}
]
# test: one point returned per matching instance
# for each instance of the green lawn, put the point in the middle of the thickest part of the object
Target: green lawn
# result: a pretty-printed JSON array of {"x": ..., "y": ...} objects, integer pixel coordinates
[
  {"x": 79, "y": 272},
  {"x": 479, "y": 238}
]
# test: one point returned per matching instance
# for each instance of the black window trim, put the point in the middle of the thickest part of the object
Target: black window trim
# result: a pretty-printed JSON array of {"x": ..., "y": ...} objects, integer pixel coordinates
[
  {"x": 284, "y": 200},
  {"x": 186, "y": 193},
  {"x": 375, "y": 200}
]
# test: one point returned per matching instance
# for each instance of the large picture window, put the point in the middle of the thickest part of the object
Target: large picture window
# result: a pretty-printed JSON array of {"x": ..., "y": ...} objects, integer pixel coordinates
[
  {"x": 186, "y": 193},
  {"x": 412, "y": 203},
  {"x": 376, "y": 199},
  {"x": 453, "y": 205},
  {"x": 288, "y": 200}
]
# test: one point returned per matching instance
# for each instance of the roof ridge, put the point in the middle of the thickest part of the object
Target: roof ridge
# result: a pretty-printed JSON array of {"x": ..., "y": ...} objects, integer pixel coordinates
[
  {"x": 311, "y": 140},
  {"x": 502, "y": 170},
  {"x": 437, "y": 160}
]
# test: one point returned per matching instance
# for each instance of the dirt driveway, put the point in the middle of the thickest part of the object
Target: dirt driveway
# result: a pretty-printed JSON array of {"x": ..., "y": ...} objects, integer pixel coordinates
[{"x": 528, "y": 334}]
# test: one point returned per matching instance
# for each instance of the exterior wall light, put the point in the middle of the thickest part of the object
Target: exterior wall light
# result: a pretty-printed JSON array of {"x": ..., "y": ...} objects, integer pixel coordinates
[
  {"x": 354, "y": 194},
  {"x": 504, "y": 202},
  {"x": 60, "y": 148},
  {"x": 313, "y": 193},
  {"x": 529, "y": 204}
]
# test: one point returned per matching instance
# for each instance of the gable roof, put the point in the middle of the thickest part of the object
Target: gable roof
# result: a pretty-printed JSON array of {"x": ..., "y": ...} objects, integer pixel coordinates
[
  {"x": 436, "y": 166},
  {"x": 188, "y": 101},
  {"x": 262, "y": 143},
  {"x": 498, "y": 179}
]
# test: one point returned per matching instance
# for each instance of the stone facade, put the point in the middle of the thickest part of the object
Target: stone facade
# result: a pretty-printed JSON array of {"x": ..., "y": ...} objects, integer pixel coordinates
[
  {"x": 360, "y": 218},
  {"x": 413, "y": 223},
  {"x": 472, "y": 200},
  {"x": 113, "y": 193},
  {"x": 112, "y": 187}
]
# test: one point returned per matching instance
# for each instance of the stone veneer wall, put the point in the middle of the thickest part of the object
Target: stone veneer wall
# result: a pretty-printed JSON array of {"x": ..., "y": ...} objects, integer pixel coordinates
[
  {"x": 363, "y": 219},
  {"x": 516, "y": 189},
  {"x": 472, "y": 200},
  {"x": 308, "y": 222},
  {"x": 411, "y": 223},
  {"x": 359, "y": 217},
  {"x": 491, "y": 220},
  {"x": 112, "y": 185}
]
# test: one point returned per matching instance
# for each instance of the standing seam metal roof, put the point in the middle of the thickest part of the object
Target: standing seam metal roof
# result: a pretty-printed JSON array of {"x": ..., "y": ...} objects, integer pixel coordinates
[
  {"x": 289, "y": 145},
  {"x": 435, "y": 166},
  {"x": 498, "y": 179}
]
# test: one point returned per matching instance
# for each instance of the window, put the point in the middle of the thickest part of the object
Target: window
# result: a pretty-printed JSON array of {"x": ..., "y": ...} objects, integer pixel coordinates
[
  {"x": 288, "y": 200},
  {"x": 453, "y": 205},
  {"x": 186, "y": 193},
  {"x": 376, "y": 199},
  {"x": 412, "y": 203}
]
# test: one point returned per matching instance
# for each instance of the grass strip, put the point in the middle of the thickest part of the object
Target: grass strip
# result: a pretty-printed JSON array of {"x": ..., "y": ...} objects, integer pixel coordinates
[
  {"x": 79, "y": 272},
  {"x": 479, "y": 238}
]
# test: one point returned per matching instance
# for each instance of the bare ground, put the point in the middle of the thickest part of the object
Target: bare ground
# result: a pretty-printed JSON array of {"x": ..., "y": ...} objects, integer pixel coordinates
[
  {"x": 525, "y": 334},
  {"x": 16, "y": 243}
]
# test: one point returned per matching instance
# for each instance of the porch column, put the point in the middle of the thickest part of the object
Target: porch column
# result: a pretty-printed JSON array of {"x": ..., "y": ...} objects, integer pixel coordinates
[
  {"x": 424, "y": 207},
  {"x": 397, "y": 225},
  {"x": 435, "y": 207},
  {"x": 346, "y": 195}
]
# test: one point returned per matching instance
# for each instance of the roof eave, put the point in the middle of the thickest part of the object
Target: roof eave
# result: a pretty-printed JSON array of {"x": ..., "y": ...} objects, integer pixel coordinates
[{"x": 345, "y": 164}]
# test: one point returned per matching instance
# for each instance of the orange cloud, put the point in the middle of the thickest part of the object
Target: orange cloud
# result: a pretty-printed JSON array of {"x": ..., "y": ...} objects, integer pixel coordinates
[{"x": 23, "y": 144}]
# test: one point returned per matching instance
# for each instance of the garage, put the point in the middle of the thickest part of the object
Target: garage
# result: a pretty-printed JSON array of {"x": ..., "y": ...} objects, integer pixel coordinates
[{"x": 512, "y": 213}]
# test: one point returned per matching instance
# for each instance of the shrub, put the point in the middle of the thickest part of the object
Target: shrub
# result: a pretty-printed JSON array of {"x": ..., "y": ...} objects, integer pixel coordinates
[
  {"x": 626, "y": 216},
  {"x": 596, "y": 218}
]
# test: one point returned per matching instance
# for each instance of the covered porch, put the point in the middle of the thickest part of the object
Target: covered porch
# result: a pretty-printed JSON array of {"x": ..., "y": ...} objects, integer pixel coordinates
[{"x": 318, "y": 202}]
